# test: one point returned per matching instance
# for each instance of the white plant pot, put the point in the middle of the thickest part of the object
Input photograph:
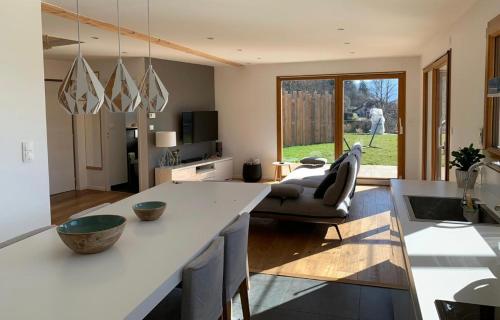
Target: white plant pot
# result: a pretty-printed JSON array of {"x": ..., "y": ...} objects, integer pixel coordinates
[{"x": 462, "y": 177}]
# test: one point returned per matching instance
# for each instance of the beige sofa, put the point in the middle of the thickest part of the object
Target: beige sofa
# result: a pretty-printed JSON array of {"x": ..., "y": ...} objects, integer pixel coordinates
[{"x": 332, "y": 209}]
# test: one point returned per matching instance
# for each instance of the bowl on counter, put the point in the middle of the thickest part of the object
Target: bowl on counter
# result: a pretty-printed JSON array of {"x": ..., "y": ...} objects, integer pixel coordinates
[
  {"x": 91, "y": 234},
  {"x": 150, "y": 210}
]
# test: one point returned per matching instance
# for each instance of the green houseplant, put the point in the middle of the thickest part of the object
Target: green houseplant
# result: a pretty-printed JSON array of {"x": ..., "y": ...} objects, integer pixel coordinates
[{"x": 464, "y": 158}]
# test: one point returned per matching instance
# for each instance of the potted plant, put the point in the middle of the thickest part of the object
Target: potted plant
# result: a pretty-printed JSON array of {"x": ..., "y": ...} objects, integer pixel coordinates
[{"x": 464, "y": 158}]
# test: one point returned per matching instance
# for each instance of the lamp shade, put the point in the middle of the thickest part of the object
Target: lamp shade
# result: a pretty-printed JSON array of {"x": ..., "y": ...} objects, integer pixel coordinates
[
  {"x": 166, "y": 139},
  {"x": 494, "y": 87}
]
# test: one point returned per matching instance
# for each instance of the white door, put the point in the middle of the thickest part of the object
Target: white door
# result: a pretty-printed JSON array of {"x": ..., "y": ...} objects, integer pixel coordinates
[{"x": 59, "y": 142}]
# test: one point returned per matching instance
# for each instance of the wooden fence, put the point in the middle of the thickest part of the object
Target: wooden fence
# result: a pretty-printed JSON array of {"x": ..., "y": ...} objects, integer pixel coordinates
[{"x": 307, "y": 117}]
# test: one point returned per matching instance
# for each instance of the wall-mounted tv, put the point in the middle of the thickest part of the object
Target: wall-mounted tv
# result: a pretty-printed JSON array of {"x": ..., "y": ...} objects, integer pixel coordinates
[{"x": 200, "y": 126}]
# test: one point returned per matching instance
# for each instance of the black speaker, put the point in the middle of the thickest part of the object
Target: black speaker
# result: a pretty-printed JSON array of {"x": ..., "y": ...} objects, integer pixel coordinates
[{"x": 218, "y": 148}]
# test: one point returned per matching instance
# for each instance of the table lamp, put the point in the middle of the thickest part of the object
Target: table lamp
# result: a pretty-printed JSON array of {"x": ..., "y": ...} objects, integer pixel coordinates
[{"x": 166, "y": 139}]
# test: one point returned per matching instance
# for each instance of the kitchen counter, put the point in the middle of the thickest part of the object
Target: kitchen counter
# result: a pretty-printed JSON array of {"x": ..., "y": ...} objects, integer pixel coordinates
[{"x": 455, "y": 261}]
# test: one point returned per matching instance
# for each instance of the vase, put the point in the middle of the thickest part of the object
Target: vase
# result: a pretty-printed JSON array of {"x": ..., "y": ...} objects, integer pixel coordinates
[
  {"x": 252, "y": 172},
  {"x": 462, "y": 177}
]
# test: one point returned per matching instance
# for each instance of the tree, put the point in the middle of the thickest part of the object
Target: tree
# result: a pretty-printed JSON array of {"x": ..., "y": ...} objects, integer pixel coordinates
[{"x": 383, "y": 91}]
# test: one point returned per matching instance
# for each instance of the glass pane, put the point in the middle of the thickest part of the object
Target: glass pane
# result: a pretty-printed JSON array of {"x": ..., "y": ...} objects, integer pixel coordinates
[
  {"x": 496, "y": 101},
  {"x": 308, "y": 108},
  {"x": 371, "y": 118},
  {"x": 441, "y": 123}
]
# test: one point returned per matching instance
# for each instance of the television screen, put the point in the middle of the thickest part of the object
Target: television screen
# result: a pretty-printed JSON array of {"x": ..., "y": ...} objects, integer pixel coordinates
[{"x": 199, "y": 126}]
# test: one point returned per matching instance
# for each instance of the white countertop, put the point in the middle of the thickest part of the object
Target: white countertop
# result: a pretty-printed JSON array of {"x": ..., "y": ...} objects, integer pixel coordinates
[
  {"x": 454, "y": 261},
  {"x": 40, "y": 278}
]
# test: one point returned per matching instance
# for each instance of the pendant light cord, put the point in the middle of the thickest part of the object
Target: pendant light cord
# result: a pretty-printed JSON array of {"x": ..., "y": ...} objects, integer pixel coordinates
[
  {"x": 78, "y": 26},
  {"x": 119, "y": 41},
  {"x": 149, "y": 37}
]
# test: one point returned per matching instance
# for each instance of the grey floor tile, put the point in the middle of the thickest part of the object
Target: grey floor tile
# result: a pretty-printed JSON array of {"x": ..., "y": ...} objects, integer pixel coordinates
[
  {"x": 375, "y": 304},
  {"x": 325, "y": 298}
]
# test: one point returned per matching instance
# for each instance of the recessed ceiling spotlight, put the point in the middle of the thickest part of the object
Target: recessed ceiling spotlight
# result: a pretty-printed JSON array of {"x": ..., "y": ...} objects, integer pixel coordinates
[
  {"x": 95, "y": 38},
  {"x": 340, "y": 29},
  {"x": 352, "y": 52},
  {"x": 124, "y": 52},
  {"x": 210, "y": 38},
  {"x": 347, "y": 43},
  {"x": 239, "y": 50},
  {"x": 259, "y": 58}
]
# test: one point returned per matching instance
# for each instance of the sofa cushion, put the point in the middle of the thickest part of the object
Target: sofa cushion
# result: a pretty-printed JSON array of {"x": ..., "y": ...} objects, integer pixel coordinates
[
  {"x": 306, "y": 183},
  {"x": 344, "y": 184},
  {"x": 305, "y": 206},
  {"x": 338, "y": 161},
  {"x": 285, "y": 191},
  {"x": 313, "y": 161},
  {"x": 307, "y": 175},
  {"x": 325, "y": 184}
]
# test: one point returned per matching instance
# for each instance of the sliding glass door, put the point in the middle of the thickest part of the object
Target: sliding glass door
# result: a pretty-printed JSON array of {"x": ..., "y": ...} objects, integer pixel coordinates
[
  {"x": 372, "y": 118},
  {"x": 324, "y": 116}
]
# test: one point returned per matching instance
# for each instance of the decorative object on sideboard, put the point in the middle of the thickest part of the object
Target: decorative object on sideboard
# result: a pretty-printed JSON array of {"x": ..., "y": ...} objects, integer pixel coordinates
[
  {"x": 149, "y": 210},
  {"x": 154, "y": 93},
  {"x": 218, "y": 149},
  {"x": 122, "y": 94},
  {"x": 167, "y": 139},
  {"x": 92, "y": 234},
  {"x": 494, "y": 88},
  {"x": 464, "y": 158},
  {"x": 252, "y": 170},
  {"x": 81, "y": 92}
]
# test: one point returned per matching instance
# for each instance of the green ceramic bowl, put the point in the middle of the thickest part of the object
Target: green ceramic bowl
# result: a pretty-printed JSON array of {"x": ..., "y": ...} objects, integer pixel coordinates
[
  {"x": 91, "y": 234},
  {"x": 150, "y": 210}
]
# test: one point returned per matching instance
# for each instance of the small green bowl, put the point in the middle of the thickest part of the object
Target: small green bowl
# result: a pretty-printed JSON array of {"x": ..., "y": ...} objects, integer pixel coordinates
[
  {"x": 92, "y": 234},
  {"x": 150, "y": 210}
]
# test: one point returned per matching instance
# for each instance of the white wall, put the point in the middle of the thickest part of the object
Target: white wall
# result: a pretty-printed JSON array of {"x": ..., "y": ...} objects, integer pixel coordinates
[
  {"x": 246, "y": 100},
  {"x": 467, "y": 40},
  {"x": 24, "y": 187}
]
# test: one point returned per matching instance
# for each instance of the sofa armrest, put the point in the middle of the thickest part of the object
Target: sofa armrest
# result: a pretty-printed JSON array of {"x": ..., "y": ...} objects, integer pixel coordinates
[{"x": 286, "y": 191}]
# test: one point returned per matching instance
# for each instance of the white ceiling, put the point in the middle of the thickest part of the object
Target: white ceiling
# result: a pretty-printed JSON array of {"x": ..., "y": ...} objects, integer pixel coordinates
[{"x": 266, "y": 31}]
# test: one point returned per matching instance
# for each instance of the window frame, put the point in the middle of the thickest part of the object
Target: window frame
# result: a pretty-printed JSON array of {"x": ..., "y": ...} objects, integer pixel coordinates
[{"x": 492, "y": 32}]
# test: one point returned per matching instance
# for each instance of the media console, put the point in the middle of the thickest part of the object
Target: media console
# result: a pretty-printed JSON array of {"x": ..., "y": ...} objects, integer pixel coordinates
[{"x": 215, "y": 169}]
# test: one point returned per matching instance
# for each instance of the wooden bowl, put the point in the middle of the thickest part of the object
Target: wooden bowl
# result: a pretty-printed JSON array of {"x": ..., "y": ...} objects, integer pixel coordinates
[
  {"x": 150, "y": 210},
  {"x": 91, "y": 234}
]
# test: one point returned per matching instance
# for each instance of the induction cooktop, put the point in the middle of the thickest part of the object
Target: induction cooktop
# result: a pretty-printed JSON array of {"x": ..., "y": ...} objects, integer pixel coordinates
[{"x": 449, "y": 310}]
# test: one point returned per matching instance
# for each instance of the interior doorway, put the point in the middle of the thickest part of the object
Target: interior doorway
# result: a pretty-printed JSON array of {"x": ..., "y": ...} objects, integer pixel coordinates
[
  {"x": 436, "y": 119},
  {"x": 323, "y": 116}
]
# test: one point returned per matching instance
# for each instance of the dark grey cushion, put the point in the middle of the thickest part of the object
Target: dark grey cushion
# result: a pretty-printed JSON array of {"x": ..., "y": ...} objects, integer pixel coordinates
[
  {"x": 325, "y": 184},
  {"x": 338, "y": 161},
  {"x": 313, "y": 161},
  {"x": 286, "y": 191},
  {"x": 344, "y": 183}
]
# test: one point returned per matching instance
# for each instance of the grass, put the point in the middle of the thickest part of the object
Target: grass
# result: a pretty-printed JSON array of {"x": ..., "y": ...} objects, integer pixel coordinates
[{"x": 382, "y": 152}]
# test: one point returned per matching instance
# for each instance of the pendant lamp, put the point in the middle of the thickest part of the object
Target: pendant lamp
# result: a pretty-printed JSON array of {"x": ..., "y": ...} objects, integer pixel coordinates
[
  {"x": 153, "y": 92},
  {"x": 81, "y": 92},
  {"x": 122, "y": 94}
]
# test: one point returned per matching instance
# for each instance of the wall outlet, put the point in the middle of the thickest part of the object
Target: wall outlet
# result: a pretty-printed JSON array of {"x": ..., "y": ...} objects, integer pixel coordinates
[
  {"x": 28, "y": 151},
  {"x": 151, "y": 127},
  {"x": 152, "y": 115}
]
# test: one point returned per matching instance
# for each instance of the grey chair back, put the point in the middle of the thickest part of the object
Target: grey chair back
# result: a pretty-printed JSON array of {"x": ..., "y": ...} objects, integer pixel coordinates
[
  {"x": 235, "y": 255},
  {"x": 24, "y": 236},
  {"x": 202, "y": 284}
]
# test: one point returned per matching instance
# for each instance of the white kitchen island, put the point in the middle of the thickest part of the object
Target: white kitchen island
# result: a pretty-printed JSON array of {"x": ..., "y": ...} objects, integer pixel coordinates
[
  {"x": 455, "y": 261},
  {"x": 40, "y": 278}
]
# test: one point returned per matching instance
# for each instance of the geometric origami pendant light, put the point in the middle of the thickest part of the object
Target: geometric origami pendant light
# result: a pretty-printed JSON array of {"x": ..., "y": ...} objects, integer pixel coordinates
[
  {"x": 81, "y": 92},
  {"x": 121, "y": 92},
  {"x": 153, "y": 92}
]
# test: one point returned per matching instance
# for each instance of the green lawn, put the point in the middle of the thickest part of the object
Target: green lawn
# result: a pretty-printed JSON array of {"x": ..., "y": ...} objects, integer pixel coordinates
[{"x": 382, "y": 152}]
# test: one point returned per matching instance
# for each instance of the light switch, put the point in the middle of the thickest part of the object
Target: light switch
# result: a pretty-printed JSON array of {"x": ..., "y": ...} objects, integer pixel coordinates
[
  {"x": 152, "y": 115},
  {"x": 28, "y": 151},
  {"x": 151, "y": 127}
]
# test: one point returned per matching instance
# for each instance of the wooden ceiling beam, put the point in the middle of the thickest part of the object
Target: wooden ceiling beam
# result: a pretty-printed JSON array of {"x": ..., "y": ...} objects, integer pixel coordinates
[{"x": 66, "y": 14}]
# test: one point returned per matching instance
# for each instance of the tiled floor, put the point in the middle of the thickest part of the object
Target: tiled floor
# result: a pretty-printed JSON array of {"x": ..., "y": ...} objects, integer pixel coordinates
[{"x": 277, "y": 297}]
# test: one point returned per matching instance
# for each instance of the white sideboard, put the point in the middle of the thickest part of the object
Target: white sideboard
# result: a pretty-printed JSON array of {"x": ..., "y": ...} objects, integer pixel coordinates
[{"x": 216, "y": 169}]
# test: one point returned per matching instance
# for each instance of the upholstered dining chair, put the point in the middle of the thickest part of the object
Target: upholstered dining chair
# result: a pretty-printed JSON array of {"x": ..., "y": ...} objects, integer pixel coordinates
[
  {"x": 24, "y": 236},
  {"x": 236, "y": 266},
  {"x": 201, "y": 295}
]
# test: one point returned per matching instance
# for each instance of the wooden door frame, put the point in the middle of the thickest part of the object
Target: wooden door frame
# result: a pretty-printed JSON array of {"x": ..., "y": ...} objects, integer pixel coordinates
[
  {"x": 433, "y": 68},
  {"x": 339, "y": 110}
]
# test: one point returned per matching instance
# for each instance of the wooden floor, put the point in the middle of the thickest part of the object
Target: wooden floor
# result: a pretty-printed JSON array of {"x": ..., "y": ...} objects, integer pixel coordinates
[
  {"x": 370, "y": 253},
  {"x": 63, "y": 205}
]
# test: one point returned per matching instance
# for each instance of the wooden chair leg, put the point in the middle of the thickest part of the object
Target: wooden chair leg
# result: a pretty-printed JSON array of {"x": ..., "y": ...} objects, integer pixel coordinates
[
  {"x": 227, "y": 311},
  {"x": 245, "y": 305}
]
